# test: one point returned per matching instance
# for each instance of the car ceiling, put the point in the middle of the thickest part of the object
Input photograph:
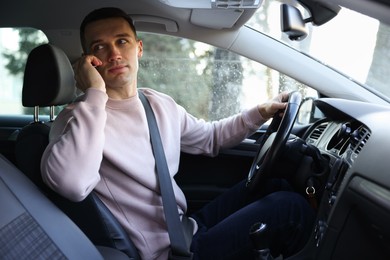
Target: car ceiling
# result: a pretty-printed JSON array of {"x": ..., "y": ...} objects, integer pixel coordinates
[
  {"x": 184, "y": 18},
  {"x": 148, "y": 15},
  {"x": 380, "y": 9}
]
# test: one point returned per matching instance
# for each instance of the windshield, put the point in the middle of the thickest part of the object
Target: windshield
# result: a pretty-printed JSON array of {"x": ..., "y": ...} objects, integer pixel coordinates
[{"x": 351, "y": 43}]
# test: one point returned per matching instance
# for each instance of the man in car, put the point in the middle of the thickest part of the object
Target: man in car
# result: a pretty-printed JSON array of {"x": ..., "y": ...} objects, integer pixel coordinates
[{"x": 101, "y": 142}]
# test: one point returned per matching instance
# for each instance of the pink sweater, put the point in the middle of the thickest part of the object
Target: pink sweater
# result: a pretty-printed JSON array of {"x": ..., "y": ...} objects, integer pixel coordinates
[{"x": 103, "y": 144}]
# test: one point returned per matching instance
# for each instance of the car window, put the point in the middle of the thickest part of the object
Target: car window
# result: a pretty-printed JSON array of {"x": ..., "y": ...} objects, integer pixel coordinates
[
  {"x": 15, "y": 45},
  {"x": 363, "y": 59},
  {"x": 209, "y": 82}
]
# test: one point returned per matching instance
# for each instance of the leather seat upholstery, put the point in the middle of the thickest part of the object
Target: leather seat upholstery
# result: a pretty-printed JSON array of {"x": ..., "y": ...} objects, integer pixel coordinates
[{"x": 31, "y": 227}]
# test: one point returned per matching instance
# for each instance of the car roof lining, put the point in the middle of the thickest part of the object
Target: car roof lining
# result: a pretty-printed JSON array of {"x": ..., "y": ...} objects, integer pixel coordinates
[
  {"x": 379, "y": 9},
  {"x": 154, "y": 8}
]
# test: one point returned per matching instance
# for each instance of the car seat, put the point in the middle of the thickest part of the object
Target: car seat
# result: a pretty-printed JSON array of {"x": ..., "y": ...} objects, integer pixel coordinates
[
  {"x": 31, "y": 227},
  {"x": 49, "y": 82}
]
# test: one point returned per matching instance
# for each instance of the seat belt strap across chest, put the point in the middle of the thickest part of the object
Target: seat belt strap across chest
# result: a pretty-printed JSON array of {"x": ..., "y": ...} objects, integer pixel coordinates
[{"x": 180, "y": 242}]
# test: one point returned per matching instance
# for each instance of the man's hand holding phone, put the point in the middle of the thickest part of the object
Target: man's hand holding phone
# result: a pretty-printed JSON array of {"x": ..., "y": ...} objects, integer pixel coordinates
[{"x": 86, "y": 73}]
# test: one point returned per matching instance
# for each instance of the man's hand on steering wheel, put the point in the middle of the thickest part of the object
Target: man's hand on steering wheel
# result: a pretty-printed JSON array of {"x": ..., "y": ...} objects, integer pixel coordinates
[
  {"x": 275, "y": 139},
  {"x": 268, "y": 109}
]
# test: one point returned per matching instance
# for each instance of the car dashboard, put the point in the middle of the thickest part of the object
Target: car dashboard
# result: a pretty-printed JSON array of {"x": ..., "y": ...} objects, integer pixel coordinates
[{"x": 353, "y": 213}]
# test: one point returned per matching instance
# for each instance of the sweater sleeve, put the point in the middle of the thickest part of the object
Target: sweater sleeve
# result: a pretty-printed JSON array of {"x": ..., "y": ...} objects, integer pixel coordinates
[
  {"x": 201, "y": 137},
  {"x": 70, "y": 164}
]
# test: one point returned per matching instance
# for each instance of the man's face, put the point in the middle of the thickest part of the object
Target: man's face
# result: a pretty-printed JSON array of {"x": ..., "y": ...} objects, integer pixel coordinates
[{"x": 114, "y": 43}]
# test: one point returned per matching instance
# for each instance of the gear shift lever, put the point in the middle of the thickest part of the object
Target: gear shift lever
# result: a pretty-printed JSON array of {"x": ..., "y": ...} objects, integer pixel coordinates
[{"x": 260, "y": 239}]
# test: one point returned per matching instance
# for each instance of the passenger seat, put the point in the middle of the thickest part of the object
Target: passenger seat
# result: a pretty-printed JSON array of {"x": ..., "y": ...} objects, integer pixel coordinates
[
  {"x": 31, "y": 227},
  {"x": 48, "y": 82}
]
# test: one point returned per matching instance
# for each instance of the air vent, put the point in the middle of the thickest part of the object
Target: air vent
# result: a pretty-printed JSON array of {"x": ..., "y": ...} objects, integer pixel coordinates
[
  {"x": 317, "y": 132},
  {"x": 359, "y": 139}
]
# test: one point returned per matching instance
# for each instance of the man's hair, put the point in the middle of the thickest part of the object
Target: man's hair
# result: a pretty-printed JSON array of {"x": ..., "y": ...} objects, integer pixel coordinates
[{"x": 100, "y": 14}]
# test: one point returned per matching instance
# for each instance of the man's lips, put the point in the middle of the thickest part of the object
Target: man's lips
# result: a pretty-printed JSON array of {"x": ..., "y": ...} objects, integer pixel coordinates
[{"x": 117, "y": 68}]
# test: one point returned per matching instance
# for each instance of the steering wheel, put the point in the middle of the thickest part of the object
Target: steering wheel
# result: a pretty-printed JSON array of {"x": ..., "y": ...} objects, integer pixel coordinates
[{"x": 274, "y": 141}]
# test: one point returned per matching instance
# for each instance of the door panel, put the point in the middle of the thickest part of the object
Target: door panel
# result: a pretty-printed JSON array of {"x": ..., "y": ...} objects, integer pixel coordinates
[
  {"x": 9, "y": 129},
  {"x": 202, "y": 178}
]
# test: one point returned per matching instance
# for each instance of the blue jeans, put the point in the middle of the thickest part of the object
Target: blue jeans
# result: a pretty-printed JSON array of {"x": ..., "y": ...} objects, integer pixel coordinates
[{"x": 224, "y": 223}]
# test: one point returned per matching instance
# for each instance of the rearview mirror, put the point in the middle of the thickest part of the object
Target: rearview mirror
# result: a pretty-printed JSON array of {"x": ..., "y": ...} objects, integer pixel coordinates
[{"x": 293, "y": 23}]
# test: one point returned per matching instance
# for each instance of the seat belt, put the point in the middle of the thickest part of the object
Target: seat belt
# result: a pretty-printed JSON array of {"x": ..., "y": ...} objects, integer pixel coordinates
[{"x": 180, "y": 232}]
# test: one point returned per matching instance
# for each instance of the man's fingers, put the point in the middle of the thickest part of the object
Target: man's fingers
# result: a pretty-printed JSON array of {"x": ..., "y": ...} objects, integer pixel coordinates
[{"x": 284, "y": 96}]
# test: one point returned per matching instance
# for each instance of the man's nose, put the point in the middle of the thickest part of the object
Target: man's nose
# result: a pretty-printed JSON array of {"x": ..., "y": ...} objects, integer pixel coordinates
[{"x": 114, "y": 54}]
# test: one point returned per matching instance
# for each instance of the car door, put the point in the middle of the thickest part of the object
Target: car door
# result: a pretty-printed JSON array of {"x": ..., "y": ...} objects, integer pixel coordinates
[
  {"x": 203, "y": 178},
  {"x": 10, "y": 126}
]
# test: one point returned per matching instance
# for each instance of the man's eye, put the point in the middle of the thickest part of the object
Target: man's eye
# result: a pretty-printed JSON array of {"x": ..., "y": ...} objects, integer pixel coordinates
[
  {"x": 122, "y": 41},
  {"x": 97, "y": 47}
]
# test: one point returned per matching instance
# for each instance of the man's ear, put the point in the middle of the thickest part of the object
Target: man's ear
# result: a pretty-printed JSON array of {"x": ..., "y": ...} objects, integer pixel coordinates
[{"x": 140, "y": 49}]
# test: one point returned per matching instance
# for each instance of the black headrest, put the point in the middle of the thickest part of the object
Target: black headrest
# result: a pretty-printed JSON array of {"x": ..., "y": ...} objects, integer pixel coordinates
[{"x": 48, "y": 78}]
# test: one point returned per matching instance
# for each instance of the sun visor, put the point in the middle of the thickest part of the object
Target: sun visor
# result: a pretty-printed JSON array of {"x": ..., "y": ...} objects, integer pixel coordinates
[
  {"x": 214, "y": 18},
  {"x": 218, "y": 14}
]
